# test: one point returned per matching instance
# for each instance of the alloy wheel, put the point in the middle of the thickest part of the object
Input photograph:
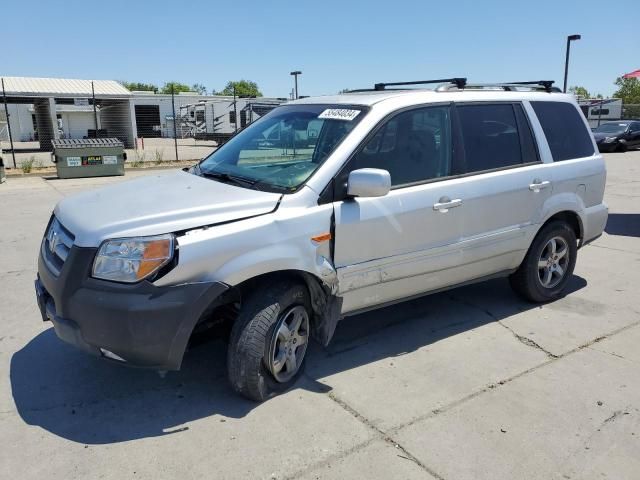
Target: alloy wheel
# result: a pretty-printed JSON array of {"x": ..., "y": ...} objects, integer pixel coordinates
[
  {"x": 289, "y": 343},
  {"x": 553, "y": 262}
]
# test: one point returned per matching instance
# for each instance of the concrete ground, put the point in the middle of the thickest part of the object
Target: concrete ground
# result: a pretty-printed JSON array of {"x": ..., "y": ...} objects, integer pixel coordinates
[{"x": 468, "y": 384}]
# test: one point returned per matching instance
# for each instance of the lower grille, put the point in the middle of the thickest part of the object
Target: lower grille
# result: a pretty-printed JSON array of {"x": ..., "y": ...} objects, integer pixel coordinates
[{"x": 56, "y": 245}]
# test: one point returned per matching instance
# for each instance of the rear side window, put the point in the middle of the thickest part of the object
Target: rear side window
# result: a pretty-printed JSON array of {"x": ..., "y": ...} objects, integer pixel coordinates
[
  {"x": 565, "y": 130},
  {"x": 495, "y": 136}
]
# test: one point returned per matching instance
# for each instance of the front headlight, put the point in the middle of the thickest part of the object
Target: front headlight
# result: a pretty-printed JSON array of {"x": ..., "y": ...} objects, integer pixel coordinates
[
  {"x": 609, "y": 139},
  {"x": 132, "y": 259}
]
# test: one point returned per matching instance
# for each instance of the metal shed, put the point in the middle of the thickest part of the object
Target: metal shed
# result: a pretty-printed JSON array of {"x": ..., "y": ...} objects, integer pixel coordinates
[{"x": 110, "y": 101}]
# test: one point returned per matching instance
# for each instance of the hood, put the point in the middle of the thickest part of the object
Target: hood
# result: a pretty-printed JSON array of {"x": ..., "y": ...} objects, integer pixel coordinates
[
  {"x": 157, "y": 204},
  {"x": 601, "y": 135}
]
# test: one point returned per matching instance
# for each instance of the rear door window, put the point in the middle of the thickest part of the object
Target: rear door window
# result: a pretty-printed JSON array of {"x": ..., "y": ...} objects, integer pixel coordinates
[
  {"x": 495, "y": 136},
  {"x": 565, "y": 130}
]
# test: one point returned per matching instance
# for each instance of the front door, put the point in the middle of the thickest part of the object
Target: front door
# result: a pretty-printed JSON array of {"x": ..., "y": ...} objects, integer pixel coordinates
[{"x": 406, "y": 242}]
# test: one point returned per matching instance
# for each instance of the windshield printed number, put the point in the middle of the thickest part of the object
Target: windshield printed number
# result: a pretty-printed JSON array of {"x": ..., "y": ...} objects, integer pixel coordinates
[{"x": 339, "y": 114}]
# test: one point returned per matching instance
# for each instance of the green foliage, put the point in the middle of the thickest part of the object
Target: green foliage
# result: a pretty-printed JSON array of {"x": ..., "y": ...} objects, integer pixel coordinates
[
  {"x": 138, "y": 162},
  {"x": 628, "y": 90},
  {"x": 159, "y": 156},
  {"x": 244, "y": 88},
  {"x": 579, "y": 91},
  {"x": 177, "y": 88},
  {"x": 37, "y": 162},
  {"x": 145, "y": 87},
  {"x": 199, "y": 88},
  {"x": 27, "y": 165}
]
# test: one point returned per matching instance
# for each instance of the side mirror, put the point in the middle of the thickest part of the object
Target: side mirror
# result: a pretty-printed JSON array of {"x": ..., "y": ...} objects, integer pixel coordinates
[{"x": 368, "y": 182}]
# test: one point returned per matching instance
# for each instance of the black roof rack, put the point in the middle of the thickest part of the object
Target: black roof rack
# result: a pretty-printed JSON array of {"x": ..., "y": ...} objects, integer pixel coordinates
[
  {"x": 547, "y": 84},
  {"x": 459, "y": 82}
]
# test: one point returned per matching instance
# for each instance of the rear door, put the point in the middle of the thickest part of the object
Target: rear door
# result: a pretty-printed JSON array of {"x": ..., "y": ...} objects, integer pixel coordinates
[{"x": 505, "y": 189}]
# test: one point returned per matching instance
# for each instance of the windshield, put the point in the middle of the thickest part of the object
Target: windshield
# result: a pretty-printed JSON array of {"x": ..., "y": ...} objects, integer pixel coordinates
[
  {"x": 612, "y": 128},
  {"x": 282, "y": 150}
]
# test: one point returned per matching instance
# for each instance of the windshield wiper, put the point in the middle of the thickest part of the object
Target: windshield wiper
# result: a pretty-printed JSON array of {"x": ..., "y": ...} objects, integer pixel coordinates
[{"x": 228, "y": 178}]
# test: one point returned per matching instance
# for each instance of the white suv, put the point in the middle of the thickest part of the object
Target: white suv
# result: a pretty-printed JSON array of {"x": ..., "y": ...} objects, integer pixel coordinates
[{"x": 323, "y": 208}]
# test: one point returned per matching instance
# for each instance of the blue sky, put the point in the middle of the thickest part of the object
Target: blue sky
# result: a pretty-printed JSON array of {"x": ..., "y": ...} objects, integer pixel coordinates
[{"x": 336, "y": 44}]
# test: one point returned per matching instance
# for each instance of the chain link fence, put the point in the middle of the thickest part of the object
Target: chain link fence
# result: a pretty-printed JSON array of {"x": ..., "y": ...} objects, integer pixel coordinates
[{"x": 157, "y": 129}]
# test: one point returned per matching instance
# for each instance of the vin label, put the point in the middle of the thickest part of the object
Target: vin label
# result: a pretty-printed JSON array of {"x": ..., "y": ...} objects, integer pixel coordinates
[{"x": 339, "y": 114}]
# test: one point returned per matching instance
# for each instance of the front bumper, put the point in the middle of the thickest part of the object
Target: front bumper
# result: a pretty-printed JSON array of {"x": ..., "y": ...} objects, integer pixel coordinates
[
  {"x": 607, "y": 147},
  {"x": 138, "y": 324}
]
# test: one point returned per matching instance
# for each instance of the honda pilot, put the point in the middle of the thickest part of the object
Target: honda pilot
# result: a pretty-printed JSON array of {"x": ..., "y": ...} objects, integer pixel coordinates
[{"x": 324, "y": 208}]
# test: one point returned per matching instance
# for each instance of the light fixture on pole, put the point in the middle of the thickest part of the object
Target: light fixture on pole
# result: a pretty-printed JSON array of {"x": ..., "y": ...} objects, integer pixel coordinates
[
  {"x": 570, "y": 38},
  {"x": 295, "y": 76}
]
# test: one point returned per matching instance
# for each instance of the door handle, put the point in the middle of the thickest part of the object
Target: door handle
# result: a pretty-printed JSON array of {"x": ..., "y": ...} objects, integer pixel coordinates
[
  {"x": 445, "y": 203},
  {"x": 538, "y": 185}
]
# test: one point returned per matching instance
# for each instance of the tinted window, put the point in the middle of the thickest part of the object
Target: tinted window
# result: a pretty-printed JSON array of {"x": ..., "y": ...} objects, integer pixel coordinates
[
  {"x": 635, "y": 127},
  {"x": 413, "y": 146},
  {"x": 527, "y": 142},
  {"x": 565, "y": 130},
  {"x": 490, "y": 135}
]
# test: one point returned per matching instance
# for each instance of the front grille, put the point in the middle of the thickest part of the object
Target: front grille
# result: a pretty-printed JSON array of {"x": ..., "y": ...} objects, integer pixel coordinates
[{"x": 56, "y": 245}]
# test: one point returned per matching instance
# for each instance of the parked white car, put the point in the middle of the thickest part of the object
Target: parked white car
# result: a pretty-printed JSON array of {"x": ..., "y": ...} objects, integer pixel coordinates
[{"x": 395, "y": 194}]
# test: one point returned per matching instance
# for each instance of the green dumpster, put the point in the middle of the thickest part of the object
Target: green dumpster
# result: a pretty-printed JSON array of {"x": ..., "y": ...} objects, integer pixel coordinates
[{"x": 88, "y": 157}]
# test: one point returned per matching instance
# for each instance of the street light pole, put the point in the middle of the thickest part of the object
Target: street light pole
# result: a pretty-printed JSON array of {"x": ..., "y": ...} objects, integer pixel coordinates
[
  {"x": 295, "y": 76},
  {"x": 235, "y": 109},
  {"x": 570, "y": 38}
]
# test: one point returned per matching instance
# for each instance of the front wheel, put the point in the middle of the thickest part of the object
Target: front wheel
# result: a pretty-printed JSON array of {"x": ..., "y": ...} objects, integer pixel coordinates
[
  {"x": 269, "y": 340},
  {"x": 549, "y": 264}
]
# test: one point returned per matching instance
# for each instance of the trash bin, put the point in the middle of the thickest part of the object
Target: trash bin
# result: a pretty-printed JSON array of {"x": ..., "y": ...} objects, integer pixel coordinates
[{"x": 88, "y": 157}]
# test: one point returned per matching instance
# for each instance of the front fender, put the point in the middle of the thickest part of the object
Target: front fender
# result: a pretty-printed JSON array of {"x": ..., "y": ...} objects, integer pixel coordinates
[{"x": 274, "y": 258}]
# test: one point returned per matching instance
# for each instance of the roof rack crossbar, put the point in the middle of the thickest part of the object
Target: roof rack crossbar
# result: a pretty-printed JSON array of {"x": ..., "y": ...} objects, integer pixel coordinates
[
  {"x": 547, "y": 84},
  {"x": 459, "y": 82}
]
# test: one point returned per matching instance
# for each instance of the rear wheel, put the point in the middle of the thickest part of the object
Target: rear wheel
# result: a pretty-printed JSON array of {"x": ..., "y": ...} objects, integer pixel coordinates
[
  {"x": 549, "y": 264},
  {"x": 269, "y": 340}
]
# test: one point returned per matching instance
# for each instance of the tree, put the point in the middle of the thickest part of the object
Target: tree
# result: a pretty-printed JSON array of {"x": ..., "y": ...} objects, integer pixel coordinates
[
  {"x": 145, "y": 87},
  {"x": 177, "y": 87},
  {"x": 628, "y": 90},
  {"x": 199, "y": 88},
  {"x": 579, "y": 92},
  {"x": 244, "y": 88}
]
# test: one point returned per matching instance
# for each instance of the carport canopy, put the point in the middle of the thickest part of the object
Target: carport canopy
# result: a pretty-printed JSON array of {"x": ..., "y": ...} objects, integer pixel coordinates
[{"x": 111, "y": 97}]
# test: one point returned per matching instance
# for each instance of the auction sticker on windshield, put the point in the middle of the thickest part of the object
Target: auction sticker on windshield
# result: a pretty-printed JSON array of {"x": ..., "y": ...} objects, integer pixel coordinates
[{"x": 339, "y": 114}]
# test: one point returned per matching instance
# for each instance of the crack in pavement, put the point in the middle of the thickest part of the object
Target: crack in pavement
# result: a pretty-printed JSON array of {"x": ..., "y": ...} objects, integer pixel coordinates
[
  {"x": 501, "y": 383},
  {"x": 612, "y": 248},
  {"x": 378, "y": 435},
  {"x": 528, "y": 342},
  {"x": 521, "y": 338}
]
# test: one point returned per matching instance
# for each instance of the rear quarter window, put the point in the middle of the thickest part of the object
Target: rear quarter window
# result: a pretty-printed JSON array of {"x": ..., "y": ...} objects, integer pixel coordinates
[{"x": 566, "y": 133}]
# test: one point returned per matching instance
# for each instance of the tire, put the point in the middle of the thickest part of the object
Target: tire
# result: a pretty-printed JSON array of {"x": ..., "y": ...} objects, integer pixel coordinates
[
  {"x": 622, "y": 147},
  {"x": 537, "y": 283},
  {"x": 258, "y": 347}
]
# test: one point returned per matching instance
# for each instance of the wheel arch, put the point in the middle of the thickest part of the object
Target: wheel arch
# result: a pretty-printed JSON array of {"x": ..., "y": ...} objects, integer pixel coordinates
[
  {"x": 325, "y": 305},
  {"x": 572, "y": 218}
]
